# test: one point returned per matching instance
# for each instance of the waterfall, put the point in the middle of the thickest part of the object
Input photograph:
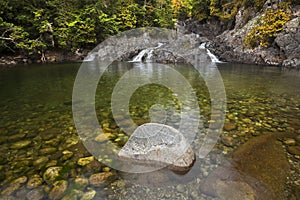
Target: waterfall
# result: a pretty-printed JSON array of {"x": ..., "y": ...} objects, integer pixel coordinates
[
  {"x": 213, "y": 58},
  {"x": 149, "y": 52},
  {"x": 90, "y": 57},
  {"x": 140, "y": 56}
]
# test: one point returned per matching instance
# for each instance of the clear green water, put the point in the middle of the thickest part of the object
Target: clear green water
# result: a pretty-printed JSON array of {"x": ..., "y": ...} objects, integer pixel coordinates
[{"x": 35, "y": 107}]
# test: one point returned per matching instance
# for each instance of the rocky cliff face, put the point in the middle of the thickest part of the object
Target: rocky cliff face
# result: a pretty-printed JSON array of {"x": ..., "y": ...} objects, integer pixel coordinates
[{"x": 285, "y": 51}]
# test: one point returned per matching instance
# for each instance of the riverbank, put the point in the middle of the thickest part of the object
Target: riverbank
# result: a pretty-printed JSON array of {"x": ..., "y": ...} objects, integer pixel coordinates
[
  {"x": 226, "y": 41},
  {"x": 52, "y": 56}
]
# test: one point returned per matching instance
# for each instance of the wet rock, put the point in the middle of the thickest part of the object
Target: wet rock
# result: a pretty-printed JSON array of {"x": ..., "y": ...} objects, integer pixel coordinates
[
  {"x": 180, "y": 188},
  {"x": 88, "y": 195},
  {"x": 234, "y": 190},
  {"x": 93, "y": 166},
  {"x": 80, "y": 182},
  {"x": 103, "y": 137},
  {"x": 20, "y": 144},
  {"x": 72, "y": 141},
  {"x": 106, "y": 169},
  {"x": 58, "y": 190},
  {"x": 229, "y": 126},
  {"x": 295, "y": 150},
  {"x": 67, "y": 155},
  {"x": 50, "y": 133},
  {"x": 40, "y": 161},
  {"x": 167, "y": 147},
  {"x": 14, "y": 185},
  {"x": 100, "y": 179},
  {"x": 289, "y": 141},
  {"x": 73, "y": 195},
  {"x": 36, "y": 194},
  {"x": 47, "y": 150},
  {"x": 34, "y": 182},
  {"x": 228, "y": 141},
  {"x": 259, "y": 167},
  {"x": 6, "y": 197},
  {"x": 16, "y": 137},
  {"x": 298, "y": 138},
  {"x": 85, "y": 161},
  {"x": 51, "y": 174}
]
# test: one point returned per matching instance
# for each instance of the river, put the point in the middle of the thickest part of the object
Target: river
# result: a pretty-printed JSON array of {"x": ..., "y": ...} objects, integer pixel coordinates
[{"x": 37, "y": 130}]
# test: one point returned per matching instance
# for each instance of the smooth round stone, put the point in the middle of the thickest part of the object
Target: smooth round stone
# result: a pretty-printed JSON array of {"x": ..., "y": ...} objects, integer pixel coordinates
[
  {"x": 247, "y": 120},
  {"x": 67, "y": 155},
  {"x": 34, "y": 182},
  {"x": 289, "y": 141},
  {"x": 51, "y": 174},
  {"x": 102, "y": 137},
  {"x": 41, "y": 160},
  {"x": 229, "y": 126},
  {"x": 47, "y": 150},
  {"x": 106, "y": 169},
  {"x": 20, "y": 180},
  {"x": 88, "y": 195},
  {"x": 85, "y": 161},
  {"x": 180, "y": 188},
  {"x": 36, "y": 194},
  {"x": 228, "y": 141},
  {"x": 100, "y": 179},
  {"x": 15, "y": 137},
  {"x": 295, "y": 150},
  {"x": 58, "y": 190},
  {"x": 298, "y": 138},
  {"x": 20, "y": 144},
  {"x": 71, "y": 141},
  {"x": 72, "y": 195},
  {"x": 14, "y": 185},
  {"x": 80, "y": 182}
]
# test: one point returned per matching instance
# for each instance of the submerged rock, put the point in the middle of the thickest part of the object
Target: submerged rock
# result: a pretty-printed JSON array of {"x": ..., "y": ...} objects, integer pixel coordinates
[
  {"x": 51, "y": 174},
  {"x": 36, "y": 194},
  {"x": 100, "y": 179},
  {"x": 20, "y": 144},
  {"x": 158, "y": 144},
  {"x": 260, "y": 168},
  {"x": 58, "y": 190},
  {"x": 86, "y": 160},
  {"x": 34, "y": 182}
]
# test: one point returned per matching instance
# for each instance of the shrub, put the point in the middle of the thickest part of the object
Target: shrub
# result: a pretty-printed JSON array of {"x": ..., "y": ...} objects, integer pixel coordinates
[{"x": 267, "y": 27}]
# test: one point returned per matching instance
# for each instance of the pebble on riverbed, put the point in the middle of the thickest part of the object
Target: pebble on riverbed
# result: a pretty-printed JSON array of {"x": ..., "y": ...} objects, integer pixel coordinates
[
  {"x": 59, "y": 188},
  {"x": 85, "y": 161},
  {"x": 100, "y": 179},
  {"x": 51, "y": 174}
]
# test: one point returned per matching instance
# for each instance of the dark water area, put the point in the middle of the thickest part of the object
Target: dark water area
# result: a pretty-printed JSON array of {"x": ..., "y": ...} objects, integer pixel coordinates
[{"x": 42, "y": 156}]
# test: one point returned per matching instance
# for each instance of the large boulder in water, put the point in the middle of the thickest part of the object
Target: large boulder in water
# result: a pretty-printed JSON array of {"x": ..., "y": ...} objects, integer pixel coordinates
[
  {"x": 257, "y": 170},
  {"x": 158, "y": 144}
]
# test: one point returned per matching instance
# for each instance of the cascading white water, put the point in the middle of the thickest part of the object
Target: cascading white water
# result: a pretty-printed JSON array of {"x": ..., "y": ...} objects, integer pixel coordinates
[
  {"x": 140, "y": 56},
  {"x": 213, "y": 58},
  {"x": 91, "y": 57},
  {"x": 149, "y": 52}
]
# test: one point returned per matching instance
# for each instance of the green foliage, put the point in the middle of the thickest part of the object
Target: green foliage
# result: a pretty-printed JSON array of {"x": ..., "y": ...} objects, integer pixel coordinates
[
  {"x": 267, "y": 28},
  {"x": 201, "y": 10},
  {"x": 35, "y": 26}
]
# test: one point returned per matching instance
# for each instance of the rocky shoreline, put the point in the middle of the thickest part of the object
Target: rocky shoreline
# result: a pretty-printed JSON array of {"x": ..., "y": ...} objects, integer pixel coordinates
[{"x": 49, "y": 57}]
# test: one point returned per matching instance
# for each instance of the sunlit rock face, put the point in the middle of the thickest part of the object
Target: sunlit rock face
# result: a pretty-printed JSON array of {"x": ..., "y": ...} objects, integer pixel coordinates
[{"x": 158, "y": 144}]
